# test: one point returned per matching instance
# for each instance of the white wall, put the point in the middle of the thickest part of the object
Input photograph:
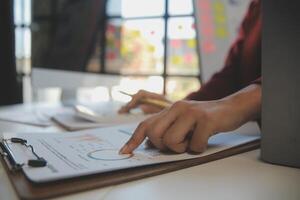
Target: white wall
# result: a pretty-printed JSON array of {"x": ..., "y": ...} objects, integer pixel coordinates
[{"x": 234, "y": 11}]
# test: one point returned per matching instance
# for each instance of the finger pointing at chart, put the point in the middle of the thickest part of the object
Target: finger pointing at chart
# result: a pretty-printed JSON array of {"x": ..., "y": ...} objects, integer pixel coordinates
[
  {"x": 185, "y": 126},
  {"x": 139, "y": 135},
  {"x": 169, "y": 130}
]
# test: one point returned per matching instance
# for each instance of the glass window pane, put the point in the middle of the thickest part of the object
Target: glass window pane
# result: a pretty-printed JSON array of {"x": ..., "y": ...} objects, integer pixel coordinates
[
  {"x": 27, "y": 12},
  {"x": 23, "y": 48},
  {"x": 135, "y": 8},
  {"x": 179, "y": 87},
  {"x": 19, "y": 34},
  {"x": 18, "y": 12},
  {"x": 180, "y": 7},
  {"x": 181, "y": 27},
  {"x": 182, "y": 47},
  {"x": 113, "y": 7},
  {"x": 138, "y": 8},
  {"x": 22, "y": 12},
  {"x": 135, "y": 46},
  {"x": 182, "y": 57},
  {"x": 27, "y": 42}
]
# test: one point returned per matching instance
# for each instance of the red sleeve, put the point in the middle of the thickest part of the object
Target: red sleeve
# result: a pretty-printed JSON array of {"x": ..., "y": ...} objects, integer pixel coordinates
[{"x": 225, "y": 82}]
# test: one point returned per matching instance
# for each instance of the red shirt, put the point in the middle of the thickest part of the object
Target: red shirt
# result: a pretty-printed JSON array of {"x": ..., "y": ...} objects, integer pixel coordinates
[{"x": 243, "y": 63}]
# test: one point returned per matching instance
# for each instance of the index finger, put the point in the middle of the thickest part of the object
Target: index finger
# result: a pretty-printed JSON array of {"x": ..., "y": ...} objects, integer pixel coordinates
[
  {"x": 136, "y": 139},
  {"x": 134, "y": 102}
]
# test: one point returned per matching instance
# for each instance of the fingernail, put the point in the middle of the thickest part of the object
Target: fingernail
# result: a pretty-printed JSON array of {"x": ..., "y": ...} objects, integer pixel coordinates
[{"x": 124, "y": 149}]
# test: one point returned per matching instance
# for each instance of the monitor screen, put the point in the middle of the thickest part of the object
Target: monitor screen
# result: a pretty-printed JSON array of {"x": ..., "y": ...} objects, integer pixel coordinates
[
  {"x": 161, "y": 46},
  {"x": 134, "y": 37},
  {"x": 65, "y": 33}
]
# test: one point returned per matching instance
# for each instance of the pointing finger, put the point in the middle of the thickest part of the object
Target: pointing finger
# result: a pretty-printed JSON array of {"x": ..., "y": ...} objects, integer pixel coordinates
[{"x": 136, "y": 139}]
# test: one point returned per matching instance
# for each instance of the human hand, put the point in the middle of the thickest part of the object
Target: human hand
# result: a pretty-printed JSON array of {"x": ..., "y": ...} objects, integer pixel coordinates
[
  {"x": 147, "y": 108},
  {"x": 187, "y": 125}
]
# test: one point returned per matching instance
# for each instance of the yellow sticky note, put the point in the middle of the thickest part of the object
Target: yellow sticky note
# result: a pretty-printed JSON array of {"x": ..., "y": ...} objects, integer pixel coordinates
[
  {"x": 221, "y": 32},
  {"x": 220, "y": 19},
  {"x": 124, "y": 50},
  {"x": 135, "y": 33},
  {"x": 191, "y": 43},
  {"x": 219, "y": 7},
  {"x": 176, "y": 60},
  {"x": 151, "y": 48}
]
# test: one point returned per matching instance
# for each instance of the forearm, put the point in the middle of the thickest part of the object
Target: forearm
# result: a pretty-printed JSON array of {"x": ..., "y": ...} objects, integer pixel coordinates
[
  {"x": 189, "y": 124},
  {"x": 246, "y": 103}
]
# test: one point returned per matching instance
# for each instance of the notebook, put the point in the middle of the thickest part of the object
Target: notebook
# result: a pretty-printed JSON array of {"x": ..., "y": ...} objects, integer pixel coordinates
[{"x": 101, "y": 116}]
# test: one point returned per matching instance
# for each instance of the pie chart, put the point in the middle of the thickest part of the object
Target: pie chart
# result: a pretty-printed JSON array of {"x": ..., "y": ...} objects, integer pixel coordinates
[{"x": 108, "y": 155}]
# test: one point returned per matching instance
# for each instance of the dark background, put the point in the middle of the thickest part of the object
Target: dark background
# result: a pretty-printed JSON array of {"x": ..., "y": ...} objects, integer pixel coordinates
[{"x": 10, "y": 85}]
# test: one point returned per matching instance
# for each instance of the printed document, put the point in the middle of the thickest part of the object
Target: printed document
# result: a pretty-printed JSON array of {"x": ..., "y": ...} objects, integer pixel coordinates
[{"x": 97, "y": 151}]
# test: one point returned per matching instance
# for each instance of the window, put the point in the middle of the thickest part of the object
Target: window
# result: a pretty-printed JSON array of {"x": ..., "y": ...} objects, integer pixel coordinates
[
  {"x": 22, "y": 18},
  {"x": 153, "y": 40}
]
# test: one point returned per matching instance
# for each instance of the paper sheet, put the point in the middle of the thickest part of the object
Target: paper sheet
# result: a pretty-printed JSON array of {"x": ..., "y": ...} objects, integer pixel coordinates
[
  {"x": 36, "y": 116},
  {"x": 96, "y": 151},
  {"x": 110, "y": 117},
  {"x": 71, "y": 121}
]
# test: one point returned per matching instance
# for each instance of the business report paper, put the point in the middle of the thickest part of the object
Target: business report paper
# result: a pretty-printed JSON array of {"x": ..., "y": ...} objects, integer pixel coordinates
[{"x": 96, "y": 151}]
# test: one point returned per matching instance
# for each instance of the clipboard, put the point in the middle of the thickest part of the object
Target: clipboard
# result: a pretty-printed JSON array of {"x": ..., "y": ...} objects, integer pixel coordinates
[{"x": 31, "y": 191}]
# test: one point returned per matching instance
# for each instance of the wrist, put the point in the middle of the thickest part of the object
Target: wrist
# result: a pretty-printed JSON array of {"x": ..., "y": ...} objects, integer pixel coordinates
[{"x": 245, "y": 104}]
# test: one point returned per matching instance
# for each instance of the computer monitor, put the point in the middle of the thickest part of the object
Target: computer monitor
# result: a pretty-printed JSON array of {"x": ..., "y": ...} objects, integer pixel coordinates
[
  {"x": 64, "y": 37},
  {"x": 66, "y": 33},
  {"x": 97, "y": 37},
  {"x": 10, "y": 87},
  {"x": 110, "y": 43}
]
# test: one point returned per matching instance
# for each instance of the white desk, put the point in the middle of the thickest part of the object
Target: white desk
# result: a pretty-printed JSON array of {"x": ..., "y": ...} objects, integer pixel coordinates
[{"x": 242, "y": 176}]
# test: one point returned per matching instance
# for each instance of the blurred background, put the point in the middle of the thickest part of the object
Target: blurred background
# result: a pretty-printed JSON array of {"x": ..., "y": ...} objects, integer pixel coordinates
[{"x": 88, "y": 50}]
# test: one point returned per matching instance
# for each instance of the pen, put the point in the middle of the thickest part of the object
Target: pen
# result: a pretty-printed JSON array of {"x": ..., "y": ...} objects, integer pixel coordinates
[{"x": 150, "y": 101}]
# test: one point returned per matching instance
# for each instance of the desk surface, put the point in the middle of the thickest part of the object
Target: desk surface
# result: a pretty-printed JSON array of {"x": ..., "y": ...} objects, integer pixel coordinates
[{"x": 242, "y": 176}]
